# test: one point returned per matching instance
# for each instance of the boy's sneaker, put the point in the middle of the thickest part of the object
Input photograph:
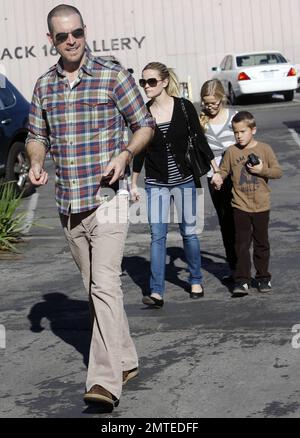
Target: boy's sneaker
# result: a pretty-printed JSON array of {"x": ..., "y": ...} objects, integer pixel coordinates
[
  {"x": 264, "y": 286},
  {"x": 240, "y": 290}
]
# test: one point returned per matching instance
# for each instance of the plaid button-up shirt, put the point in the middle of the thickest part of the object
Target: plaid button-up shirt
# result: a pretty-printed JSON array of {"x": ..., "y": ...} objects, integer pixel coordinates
[{"x": 84, "y": 127}]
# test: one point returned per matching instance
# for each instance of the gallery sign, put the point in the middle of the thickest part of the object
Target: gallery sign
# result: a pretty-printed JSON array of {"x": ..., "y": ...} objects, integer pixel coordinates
[{"x": 97, "y": 46}]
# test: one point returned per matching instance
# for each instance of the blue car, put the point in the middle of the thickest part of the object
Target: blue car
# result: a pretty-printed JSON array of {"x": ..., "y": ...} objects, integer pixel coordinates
[{"x": 14, "y": 110}]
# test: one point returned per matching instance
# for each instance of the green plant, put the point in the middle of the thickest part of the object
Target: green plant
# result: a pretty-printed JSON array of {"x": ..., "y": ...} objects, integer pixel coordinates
[{"x": 10, "y": 220}]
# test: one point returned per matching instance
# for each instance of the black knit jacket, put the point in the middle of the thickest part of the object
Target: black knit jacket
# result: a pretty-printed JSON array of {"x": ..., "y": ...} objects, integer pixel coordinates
[{"x": 155, "y": 155}]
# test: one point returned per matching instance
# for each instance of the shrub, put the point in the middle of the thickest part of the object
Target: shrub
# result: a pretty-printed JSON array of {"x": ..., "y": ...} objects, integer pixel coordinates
[{"x": 10, "y": 220}]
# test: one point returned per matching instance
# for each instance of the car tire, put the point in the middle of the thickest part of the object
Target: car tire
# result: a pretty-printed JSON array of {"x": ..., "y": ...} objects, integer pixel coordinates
[
  {"x": 17, "y": 165},
  {"x": 232, "y": 97},
  {"x": 288, "y": 96}
]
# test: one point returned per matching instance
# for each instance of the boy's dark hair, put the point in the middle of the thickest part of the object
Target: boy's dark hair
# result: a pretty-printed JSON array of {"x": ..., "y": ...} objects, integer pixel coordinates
[
  {"x": 245, "y": 116},
  {"x": 61, "y": 10}
]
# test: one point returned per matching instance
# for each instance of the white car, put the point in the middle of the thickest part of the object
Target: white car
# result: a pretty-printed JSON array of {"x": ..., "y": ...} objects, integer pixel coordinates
[
  {"x": 298, "y": 75},
  {"x": 256, "y": 73}
]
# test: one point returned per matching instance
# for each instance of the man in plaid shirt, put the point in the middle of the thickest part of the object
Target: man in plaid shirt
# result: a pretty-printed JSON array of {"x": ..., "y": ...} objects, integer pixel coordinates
[{"x": 79, "y": 112}]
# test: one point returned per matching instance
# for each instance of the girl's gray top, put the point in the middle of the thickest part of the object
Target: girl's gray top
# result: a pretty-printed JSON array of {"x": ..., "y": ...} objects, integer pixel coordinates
[{"x": 220, "y": 141}]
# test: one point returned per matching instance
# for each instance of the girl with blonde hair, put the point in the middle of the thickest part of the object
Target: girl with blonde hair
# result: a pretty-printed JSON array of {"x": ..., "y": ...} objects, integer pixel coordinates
[
  {"x": 215, "y": 119},
  {"x": 166, "y": 169}
]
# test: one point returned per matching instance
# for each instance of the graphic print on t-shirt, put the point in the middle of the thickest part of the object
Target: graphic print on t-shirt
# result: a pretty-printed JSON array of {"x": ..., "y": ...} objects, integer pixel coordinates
[{"x": 248, "y": 183}]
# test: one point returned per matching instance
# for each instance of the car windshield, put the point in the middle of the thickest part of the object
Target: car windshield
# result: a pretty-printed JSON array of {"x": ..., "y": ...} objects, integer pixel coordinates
[{"x": 259, "y": 59}]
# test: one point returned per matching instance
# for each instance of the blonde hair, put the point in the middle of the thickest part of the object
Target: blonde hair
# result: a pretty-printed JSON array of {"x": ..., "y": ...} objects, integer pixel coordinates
[
  {"x": 173, "y": 88},
  {"x": 214, "y": 88}
]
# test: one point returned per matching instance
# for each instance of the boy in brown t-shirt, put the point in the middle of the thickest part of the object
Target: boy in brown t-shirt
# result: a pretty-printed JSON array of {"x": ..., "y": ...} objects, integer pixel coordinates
[{"x": 251, "y": 201}]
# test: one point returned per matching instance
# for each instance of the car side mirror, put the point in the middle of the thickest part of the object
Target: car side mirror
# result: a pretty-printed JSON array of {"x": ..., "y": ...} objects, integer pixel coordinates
[{"x": 217, "y": 69}]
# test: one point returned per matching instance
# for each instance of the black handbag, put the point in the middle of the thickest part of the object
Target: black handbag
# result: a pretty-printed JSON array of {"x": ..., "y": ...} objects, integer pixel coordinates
[{"x": 195, "y": 158}]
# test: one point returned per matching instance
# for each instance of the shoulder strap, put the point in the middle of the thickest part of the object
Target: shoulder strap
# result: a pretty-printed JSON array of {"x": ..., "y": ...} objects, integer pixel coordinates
[{"x": 186, "y": 116}]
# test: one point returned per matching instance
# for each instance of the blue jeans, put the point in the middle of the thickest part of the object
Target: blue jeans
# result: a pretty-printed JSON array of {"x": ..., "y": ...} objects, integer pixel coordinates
[{"x": 159, "y": 202}]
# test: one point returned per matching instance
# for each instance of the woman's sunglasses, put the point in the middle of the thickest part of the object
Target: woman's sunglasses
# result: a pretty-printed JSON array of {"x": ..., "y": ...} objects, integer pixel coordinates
[
  {"x": 63, "y": 36},
  {"x": 152, "y": 82}
]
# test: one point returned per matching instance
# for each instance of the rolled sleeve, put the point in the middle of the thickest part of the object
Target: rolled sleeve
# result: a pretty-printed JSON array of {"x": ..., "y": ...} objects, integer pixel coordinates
[
  {"x": 32, "y": 137},
  {"x": 37, "y": 126},
  {"x": 130, "y": 103}
]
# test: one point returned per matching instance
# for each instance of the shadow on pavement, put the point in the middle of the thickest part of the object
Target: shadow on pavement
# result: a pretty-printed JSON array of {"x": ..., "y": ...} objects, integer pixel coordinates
[
  {"x": 293, "y": 125},
  {"x": 138, "y": 268},
  {"x": 97, "y": 410},
  {"x": 67, "y": 319}
]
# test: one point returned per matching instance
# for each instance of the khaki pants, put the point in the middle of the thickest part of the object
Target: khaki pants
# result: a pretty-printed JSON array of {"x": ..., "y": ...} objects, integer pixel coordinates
[{"x": 97, "y": 248}]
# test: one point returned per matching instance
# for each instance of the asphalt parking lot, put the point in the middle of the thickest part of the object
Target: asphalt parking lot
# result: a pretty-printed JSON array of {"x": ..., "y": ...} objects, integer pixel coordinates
[{"x": 218, "y": 357}]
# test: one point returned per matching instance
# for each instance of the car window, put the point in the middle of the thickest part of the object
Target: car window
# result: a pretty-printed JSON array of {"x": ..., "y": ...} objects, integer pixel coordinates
[
  {"x": 259, "y": 59},
  {"x": 228, "y": 65},
  {"x": 7, "y": 98},
  {"x": 223, "y": 63}
]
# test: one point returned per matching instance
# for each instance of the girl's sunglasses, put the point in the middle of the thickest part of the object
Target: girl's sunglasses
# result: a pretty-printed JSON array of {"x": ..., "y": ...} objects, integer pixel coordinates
[
  {"x": 152, "y": 82},
  {"x": 63, "y": 36}
]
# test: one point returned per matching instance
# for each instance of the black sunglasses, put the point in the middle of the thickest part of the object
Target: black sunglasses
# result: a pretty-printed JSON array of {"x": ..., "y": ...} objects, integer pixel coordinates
[
  {"x": 152, "y": 82},
  {"x": 63, "y": 36}
]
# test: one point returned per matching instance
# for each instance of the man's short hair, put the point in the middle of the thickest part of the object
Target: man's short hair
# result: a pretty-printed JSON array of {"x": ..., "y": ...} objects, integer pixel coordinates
[
  {"x": 60, "y": 11},
  {"x": 245, "y": 116}
]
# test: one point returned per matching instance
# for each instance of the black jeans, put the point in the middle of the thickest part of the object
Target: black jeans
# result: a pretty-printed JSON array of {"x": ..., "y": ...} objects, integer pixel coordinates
[
  {"x": 222, "y": 203},
  {"x": 252, "y": 227}
]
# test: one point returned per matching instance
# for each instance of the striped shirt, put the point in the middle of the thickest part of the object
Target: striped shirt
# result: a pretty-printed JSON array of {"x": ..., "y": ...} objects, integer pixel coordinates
[
  {"x": 174, "y": 176},
  {"x": 84, "y": 127},
  {"x": 220, "y": 137}
]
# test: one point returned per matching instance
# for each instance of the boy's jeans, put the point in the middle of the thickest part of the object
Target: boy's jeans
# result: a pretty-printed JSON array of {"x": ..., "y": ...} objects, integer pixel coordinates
[{"x": 159, "y": 201}]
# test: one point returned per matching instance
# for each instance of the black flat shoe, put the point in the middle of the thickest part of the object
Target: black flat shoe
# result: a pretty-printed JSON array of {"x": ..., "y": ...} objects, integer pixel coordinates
[
  {"x": 157, "y": 303},
  {"x": 153, "y": 302},
  {"x": 197, "y": 295}
]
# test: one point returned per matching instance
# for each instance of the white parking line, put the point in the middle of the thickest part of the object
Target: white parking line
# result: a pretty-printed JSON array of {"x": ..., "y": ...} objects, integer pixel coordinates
[
  {"x": 30, "y": 213},
  {"x": 295, "y": 136}
]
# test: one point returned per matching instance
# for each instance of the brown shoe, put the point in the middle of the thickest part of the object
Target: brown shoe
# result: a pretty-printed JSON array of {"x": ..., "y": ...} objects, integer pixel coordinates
[
  {"x": 97, "y": 394},
  {"x": 130, "y": 374}
]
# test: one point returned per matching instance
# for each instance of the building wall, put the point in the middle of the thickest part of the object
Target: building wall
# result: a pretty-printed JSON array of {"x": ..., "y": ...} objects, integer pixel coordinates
[{"x": 191, "y": 36}]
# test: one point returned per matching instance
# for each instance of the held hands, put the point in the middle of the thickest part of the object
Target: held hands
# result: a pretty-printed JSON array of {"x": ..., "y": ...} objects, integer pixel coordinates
[
  {"x": 217, "y": 181},
  {"x": 38, "y": 176},
  {"x": 256, "y": 170}
]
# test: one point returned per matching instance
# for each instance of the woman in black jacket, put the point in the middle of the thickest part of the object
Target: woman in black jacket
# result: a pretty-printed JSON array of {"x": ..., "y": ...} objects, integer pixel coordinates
[{"x": 168, "y": 177}]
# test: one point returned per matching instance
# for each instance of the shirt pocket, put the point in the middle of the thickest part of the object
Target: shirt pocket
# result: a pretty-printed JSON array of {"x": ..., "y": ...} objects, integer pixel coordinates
[{"x": 95, "y": 113}]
